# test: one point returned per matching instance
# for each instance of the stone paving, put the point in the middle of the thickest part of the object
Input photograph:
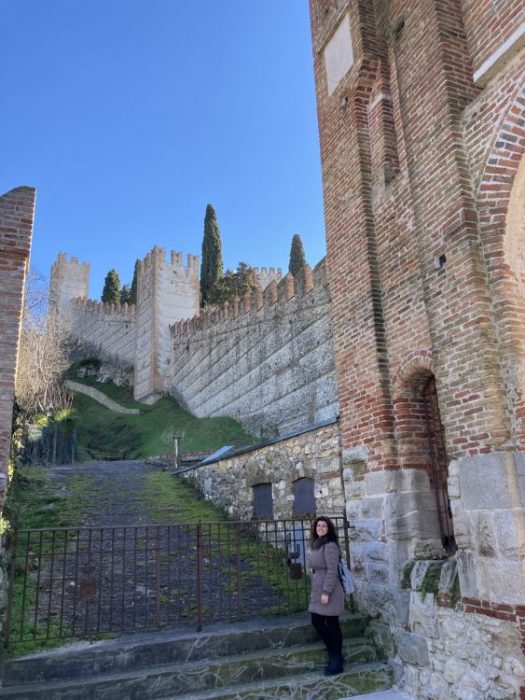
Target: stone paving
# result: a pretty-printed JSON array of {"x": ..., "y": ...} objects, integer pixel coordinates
[{"x": 113, "y": 496}]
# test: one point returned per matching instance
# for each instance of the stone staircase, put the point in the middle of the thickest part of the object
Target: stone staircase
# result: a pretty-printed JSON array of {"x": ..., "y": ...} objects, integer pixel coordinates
[{"x": 259, "y": 659}]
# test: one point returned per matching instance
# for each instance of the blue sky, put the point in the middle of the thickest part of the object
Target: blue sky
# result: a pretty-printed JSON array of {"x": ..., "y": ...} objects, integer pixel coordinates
[{"x": 129, "y": 116}]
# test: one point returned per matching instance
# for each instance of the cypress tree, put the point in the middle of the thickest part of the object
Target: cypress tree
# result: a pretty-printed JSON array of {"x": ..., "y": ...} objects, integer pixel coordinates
[
  {"x": 125, "y": 294},
  {"x": 133, "y": 290},
  {"x": 297, "y": 259},
  {"x": 211, "y": 260},
  {"x": 111, "y": 291}
]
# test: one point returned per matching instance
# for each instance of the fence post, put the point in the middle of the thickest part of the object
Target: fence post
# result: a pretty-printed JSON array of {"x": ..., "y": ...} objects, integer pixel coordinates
[
  {"x": 55, "y": 440},
  {"x": 157, "y": 577},
  {"x": 199, "y": 576}
]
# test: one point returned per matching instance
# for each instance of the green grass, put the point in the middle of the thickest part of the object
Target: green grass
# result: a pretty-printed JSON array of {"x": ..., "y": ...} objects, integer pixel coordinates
[
  {"x": 32, "y": 502},
  {"x": 103, "y": 434},
  {"x": 174, "y": 500}
]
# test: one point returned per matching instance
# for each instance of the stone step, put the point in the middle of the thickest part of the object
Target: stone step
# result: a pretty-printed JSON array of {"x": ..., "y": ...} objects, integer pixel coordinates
[
  {"x": 267, "y": 674},
  {"x": 148, "y": 650},
  {"x": 358, "y": 680}
]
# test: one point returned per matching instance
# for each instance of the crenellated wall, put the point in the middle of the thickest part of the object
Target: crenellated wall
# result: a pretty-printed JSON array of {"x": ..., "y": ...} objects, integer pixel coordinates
[
  {"x": 166, "y": 292},
  {"x": 107, "y": 329},
  {"x": 69, "y": 279},
  {"x": 266, "y": 360}
]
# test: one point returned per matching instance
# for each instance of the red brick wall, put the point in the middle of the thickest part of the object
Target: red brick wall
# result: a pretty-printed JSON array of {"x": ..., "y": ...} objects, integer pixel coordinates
[
  {"x": 488, "y": 23},
  {"x": 16, "y": 225},
  {"x": 393, "y": 300}
]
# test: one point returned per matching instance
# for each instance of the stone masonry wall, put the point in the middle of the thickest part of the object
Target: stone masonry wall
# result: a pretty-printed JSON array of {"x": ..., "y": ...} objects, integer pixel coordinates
[
  {"x": 314, "y": 454},
  {"x": 166, "y": 293},
  {"x": 69, "y": 280},
  {"x": 109, "y": 330},
  {"x": 266, "y": 361}
]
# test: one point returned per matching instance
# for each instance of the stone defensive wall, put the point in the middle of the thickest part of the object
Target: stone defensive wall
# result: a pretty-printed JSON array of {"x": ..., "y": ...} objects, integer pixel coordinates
[
  {"x": 266, "y": 360},
  {"x": 108, "y": 328}
]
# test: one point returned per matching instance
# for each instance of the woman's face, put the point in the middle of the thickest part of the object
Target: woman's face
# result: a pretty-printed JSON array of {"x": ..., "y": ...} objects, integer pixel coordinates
[{"x": 321, "y": 528}]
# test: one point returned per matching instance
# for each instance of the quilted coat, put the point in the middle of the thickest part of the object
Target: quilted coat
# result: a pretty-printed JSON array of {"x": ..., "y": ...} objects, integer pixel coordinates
[{"x": 324, "y": 563}]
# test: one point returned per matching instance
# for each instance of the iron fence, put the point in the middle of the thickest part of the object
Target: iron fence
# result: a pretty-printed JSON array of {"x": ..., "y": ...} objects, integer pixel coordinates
[{"x": 86, "y": 581}]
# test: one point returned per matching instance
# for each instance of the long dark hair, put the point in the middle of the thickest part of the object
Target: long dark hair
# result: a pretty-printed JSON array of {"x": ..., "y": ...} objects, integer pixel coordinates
[{"x": 331, "y": 535}]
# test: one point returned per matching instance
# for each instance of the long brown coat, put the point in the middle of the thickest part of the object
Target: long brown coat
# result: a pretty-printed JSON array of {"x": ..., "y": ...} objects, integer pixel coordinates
[{"x": 324, "y": 563}]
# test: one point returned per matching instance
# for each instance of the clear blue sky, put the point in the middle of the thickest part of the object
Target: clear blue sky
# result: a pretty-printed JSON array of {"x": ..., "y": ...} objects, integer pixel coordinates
[{"x": 129, "y": 116}]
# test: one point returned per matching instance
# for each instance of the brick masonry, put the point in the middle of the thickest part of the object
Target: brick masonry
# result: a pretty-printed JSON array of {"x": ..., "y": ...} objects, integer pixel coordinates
[
  {"x": 16, "y": 228},
  {"x": 422, "y": 132}
]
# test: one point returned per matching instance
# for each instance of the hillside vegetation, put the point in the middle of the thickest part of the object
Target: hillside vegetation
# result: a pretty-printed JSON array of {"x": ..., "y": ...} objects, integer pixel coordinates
[{"x": 103, "y": 434}]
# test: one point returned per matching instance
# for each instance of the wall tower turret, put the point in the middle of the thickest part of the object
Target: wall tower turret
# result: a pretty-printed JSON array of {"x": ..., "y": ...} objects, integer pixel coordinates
[{"x": 69, "y": 280}]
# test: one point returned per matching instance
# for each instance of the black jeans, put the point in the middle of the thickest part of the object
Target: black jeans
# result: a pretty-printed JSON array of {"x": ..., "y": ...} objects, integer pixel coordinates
[{"x": 328, "y": 629}]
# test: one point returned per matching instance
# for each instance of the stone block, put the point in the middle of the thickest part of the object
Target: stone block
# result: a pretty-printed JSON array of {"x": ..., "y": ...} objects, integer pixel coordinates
[
  {"x": 377, "y": 573},
  {"x": 352, "y": 455},
  {"x": 365, "y": 529},
  {"x": 372, "y": 507},
  {"x": 425, "y": 576},
  {"x": 377, "y": 551},
  {"x": 405, "y": 572},
  {"x": 519, "y": 458},
  {"x": 454, "y": 486},
  {"x": 509, "y": 527},
  {"x": 500, "y": 579},
  {"x": 483, "y": 533},
  {"x": 488, "y": 481},
  {"x": 467, "y": 574},
  {"x": 396, "y": 481},
  {"x": 429, "y": 549},
  {"x": 422, "y": 614},
  {"x": 382, "y": 637},
  {"x": 448, "y": 580},
  {"x": 412, "y": 648},
  {"x": 353, "y": 508},
  {"x": 389, "y": 604},
  {"x": 411, "y": 515}
]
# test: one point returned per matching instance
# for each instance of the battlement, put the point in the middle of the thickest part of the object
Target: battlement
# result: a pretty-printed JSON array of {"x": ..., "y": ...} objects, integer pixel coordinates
[
  {"x": 265, "y": 275},
  {"x": 63, "y": 263},
  {"x": 102, "y": 308},
  {"x": 275, "y": 293},
  {"x": 156, "y": 259},
  {"x": 69, "y": 279}
]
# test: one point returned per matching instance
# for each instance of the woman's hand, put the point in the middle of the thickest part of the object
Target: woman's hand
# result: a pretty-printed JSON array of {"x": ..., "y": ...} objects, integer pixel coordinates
[{"x": 325, "y": 598}]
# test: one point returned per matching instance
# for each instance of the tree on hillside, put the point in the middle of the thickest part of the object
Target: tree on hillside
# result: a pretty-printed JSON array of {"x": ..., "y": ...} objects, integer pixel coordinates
[
  {"x": 133, "y": 290},
  {"x": 297, "y": 259},
  {"x": 236, "y": 283},
  {"x": 211, "y": 260},
  {"x": 111, "y": 291},
  {"x": 43, "y": 353}
]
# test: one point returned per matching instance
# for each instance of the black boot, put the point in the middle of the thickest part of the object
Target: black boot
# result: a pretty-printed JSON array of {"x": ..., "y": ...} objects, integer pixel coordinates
[{"x": 335, "y": 666}]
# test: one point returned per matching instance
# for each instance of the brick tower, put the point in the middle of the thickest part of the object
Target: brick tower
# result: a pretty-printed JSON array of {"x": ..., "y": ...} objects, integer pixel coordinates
[{"x": 421, "y": 111}]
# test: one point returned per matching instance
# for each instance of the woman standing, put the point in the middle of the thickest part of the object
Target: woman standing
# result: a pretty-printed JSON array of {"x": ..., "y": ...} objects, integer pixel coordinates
[{"x": 326, "y": 597}]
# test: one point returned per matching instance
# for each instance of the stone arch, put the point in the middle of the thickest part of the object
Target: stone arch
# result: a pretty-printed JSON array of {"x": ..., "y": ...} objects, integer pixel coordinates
[{"x": 501, "y": 206}]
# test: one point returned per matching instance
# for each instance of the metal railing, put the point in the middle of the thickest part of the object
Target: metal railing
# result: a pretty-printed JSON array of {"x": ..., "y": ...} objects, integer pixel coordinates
[{"x": 87, "y": 581}]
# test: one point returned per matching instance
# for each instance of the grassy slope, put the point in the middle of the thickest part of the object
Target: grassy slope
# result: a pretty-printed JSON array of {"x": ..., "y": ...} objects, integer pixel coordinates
[{"x": 104, "y": 434}]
